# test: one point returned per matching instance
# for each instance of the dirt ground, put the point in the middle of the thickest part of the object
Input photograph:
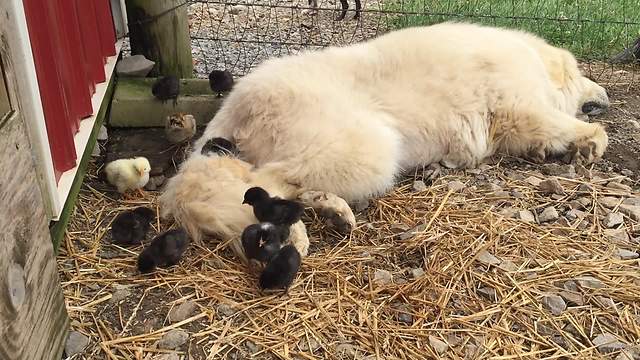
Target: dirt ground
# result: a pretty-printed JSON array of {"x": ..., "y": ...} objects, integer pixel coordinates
[{"x": 383, "y": 292}]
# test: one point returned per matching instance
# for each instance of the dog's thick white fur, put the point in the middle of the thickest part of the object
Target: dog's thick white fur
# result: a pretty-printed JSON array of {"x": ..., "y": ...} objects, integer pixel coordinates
[{"x": 346, "y": 121}]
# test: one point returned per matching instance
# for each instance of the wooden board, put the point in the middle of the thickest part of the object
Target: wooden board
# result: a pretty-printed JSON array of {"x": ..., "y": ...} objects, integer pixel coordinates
[{"x": 33, "y": 318}]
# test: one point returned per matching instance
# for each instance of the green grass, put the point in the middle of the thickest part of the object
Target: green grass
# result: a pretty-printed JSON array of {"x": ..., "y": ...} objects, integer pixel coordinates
[{"x": 591, "y": 29}]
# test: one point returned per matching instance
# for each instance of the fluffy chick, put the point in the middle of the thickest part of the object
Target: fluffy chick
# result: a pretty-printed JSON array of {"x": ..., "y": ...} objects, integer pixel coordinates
[
  {"x": 130, "y": 227},
  {"x": 219, "y": 146},
  {"x": 272, "y": 209},
  {"x": 128, "y": 174},
  {"x": 281, "y": 270},
  {"x": 165, "y": 88},
  {"x": 166, "y": 249},
  {"x": 220, "y": 81},
  {"x": 262, "y": 241},
  {"x": 180, "y": 127}
]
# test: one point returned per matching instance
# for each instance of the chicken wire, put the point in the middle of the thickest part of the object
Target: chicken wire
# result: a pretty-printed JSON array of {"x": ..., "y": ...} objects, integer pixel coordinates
[{"x": 239, "y": 35}]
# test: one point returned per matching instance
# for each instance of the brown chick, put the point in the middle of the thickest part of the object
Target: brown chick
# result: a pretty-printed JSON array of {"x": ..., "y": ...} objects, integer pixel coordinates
[
  {"x": 180, "y": 127},
  {"x": 128, "y": 174}
]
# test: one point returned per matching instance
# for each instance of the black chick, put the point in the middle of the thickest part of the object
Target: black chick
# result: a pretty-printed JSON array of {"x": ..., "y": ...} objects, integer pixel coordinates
[
  {"x": 166, "y": 249},
  {"x": 131, "y": 227},
  {"x": 281, "y": 270},
  {"x": 262, "y": 241},
  {"x": 272, "y": 209},
  {"x": 220, "y": 81},
  {"x": 220, "y": 146},
  {"x": 166, "y": 88}
]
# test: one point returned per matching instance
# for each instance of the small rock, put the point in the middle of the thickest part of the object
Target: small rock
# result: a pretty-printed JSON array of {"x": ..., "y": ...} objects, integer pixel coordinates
[
  {"x": 532, "y": 180},
  {"x": 567, "y": 171},
  {"x": 625, "y": 254},
  {"x": 487, "y": 258},
  {"x": 382, "y": 277},
  {"x": 570, "y": 285},
  {"x": 634, "y": 201},
  {"x": 103, "y": 135},
  {"x": 585, "y": 188},
  {"x": 411, "y": 233},
  {"x": 399, "y": 228},
  {"x": 526, "y": 216},
  {"x": 589, "y": 282},
  {"x": 517, "y": 194},
  {"x": 455, "y": 186},
  {"x": 438, "y": 345},
  {"x": 225, "y": 310},
  {"x": 572, "y": 298},
  {"x": 574, "y": 214},
  {"x": 556, "y": 196},
  {"x": 404, "y": 315},
  {"x": 609, "y": 201},
  {"x": 627, "y": 172},
  {"x": 419, "y": 186},
  {"x": 169, "y": 356},
  {"x": 471, "y": 351},
  {"x": 631, "y": 211},
  {"x": 509, "y": 212},
  {"x": 548, "y": 214},
  {"x": 173, "y": 339},
  {"x": 346, "y": 349},
  {"x": 491, "y": 187},
  {"x": 583, "y": 171},
  {"x": 629, "y": 354},
  {"x": 508, "y": 265},
  {"x": 96, "y": 150},
  {"x": 605, "y": 302},
  {"x": 613, "y": 219},
  {"x": 310, "y": 345},
  {"x": 454, "y": 340},
  {"x": 619, "y": 186},
  {"x": 120, "y": 295},
  {"x": 502, "y": 194},
  {"x": 417, "y": 272},
  {"x": 155, "y": 182},
  {"x": 554, "y": 303},
  {"x": 617, "y": 235},
  {"x": 551, "y": 186},
  {"x": 252, "y": 347},
  {"x": 134, "y": 66},
  {"x": 76, "y": 343},
  {"x": 237, "y": 9},
  {"x": 182, "y": 311},
  {"x": 488, "y": 293},
  {"x": 607, "y": 343}
]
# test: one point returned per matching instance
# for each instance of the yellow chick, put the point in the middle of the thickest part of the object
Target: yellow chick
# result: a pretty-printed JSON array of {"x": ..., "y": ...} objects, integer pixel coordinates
[
  {"x": 180, "y": 127},
  {"x": 128, "y": 174}
]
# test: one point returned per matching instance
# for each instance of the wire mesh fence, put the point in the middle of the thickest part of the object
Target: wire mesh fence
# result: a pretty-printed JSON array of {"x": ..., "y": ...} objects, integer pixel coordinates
[{"x": 238, "y": 35}]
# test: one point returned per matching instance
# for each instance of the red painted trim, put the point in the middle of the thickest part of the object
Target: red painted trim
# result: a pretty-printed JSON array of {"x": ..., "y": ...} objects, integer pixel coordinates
[
  {"x": 38, "y": 15},
  {"x": 106, "y": 28}
]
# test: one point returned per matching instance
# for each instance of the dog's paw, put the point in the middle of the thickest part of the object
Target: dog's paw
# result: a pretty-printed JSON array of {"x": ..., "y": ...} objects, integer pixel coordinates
[
  {"x": 589, "y": 149},
  {"x": 333, "y": 208}
]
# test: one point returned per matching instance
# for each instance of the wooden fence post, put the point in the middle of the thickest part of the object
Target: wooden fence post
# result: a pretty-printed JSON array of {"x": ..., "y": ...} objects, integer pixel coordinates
[{"x": 159, "y": 30}]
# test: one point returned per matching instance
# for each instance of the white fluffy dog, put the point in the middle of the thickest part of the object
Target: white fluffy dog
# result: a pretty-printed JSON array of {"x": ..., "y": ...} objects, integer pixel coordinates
[{"x": 342, "y": 123}]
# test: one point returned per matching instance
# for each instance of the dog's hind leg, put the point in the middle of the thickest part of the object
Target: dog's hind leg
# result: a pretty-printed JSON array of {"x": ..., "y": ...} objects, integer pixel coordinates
[{"x": 333, "y": 208}]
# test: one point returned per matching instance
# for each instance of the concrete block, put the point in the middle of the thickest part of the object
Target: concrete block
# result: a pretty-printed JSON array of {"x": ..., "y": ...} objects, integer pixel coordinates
[{"x": 133, "y": 104}]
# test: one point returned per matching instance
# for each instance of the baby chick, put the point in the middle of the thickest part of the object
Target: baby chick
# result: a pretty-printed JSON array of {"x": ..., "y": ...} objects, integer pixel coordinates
[
  {"x": 220, "y": 81},
  {"x": 166, "y": 88},
  {"x": 131, "y": 227},
  {"x": 180, "y": 127},
  {"x": 262, "y": 241},
  {"x": 274, "y": 210},
  {"x": 128, "y": 174},
  {"x": 166, "y": 249},
  {"x": 220, "y": 146},
  {"x": 281, "y": 270}
]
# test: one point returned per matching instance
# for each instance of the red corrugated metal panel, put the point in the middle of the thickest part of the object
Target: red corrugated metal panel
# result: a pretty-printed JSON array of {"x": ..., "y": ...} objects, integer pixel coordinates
[
  {"x": 82, "y": 86},
  {"x": 38, "y": 14},
  {"x": 106, "y": 28},
  {"x": 91, "y": 39}
]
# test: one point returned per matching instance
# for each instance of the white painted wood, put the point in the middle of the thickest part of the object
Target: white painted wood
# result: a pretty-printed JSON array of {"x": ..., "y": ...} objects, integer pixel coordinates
[
  {"x": 29, "y": 94},
  {"x": 86, "y": 126}
]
